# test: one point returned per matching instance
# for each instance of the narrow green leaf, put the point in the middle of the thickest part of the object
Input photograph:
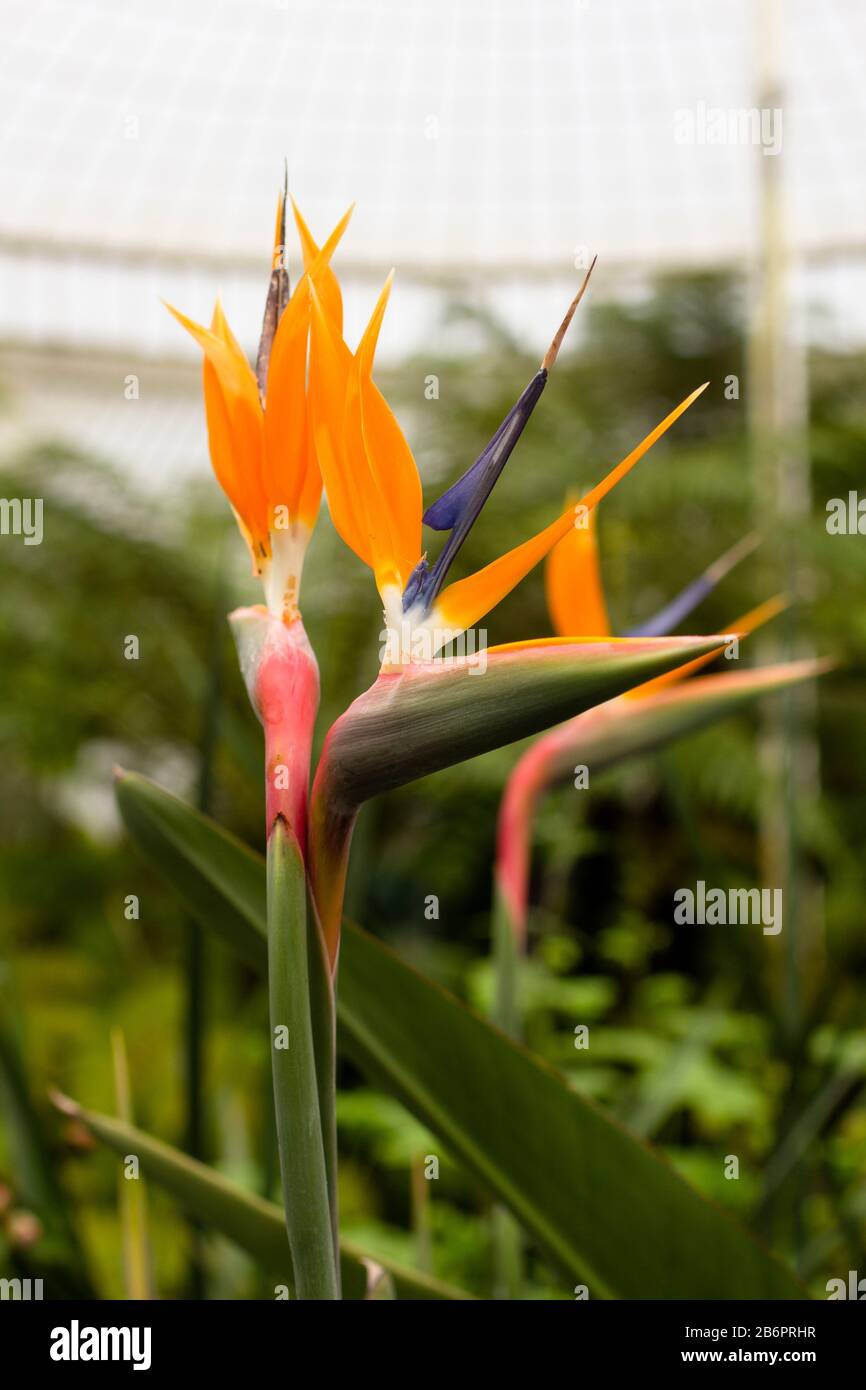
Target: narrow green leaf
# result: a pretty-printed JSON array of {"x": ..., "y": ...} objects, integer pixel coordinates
[
  {"x": 253, "y": 1223},
  {"x": 607, "y": 1208},
  {"x": 296, "y": 1093},
  {"x": 604, "y": 1206},
  {"x": 132, "y": 1196},
  {"x": 218, "y": 878}
]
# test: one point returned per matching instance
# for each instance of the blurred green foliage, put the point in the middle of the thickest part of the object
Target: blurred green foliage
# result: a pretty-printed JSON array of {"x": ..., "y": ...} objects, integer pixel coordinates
[{"x": 691, "y": 1045}]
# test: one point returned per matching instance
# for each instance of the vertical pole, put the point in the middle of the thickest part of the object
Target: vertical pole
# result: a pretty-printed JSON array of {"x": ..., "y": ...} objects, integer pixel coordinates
[{"x": 778, "y": 426}]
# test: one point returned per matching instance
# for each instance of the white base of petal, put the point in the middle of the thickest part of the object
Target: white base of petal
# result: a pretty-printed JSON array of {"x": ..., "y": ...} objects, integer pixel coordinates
[{"x": 281, "y": 574}]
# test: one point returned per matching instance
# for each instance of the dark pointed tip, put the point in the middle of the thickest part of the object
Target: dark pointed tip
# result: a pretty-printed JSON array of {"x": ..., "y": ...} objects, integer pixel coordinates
[
  {"x": 284, "y": 198},
  {"x": 550, "y": 356}
]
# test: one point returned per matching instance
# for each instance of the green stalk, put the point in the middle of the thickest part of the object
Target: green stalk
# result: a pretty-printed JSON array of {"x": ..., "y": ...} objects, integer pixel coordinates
[
  {"x": 505, "y": 1233},
  {"x": 296, "y": 1094},
  {"x": 324, "y": 1025}
]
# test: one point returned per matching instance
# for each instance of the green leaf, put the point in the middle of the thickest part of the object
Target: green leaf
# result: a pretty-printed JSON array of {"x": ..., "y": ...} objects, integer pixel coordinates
[
  {"x": 296, "y": 1096},
  {"x": 604, "y": 1207},
  {"x": 132, "y": 1196},
  {"x": 253, "y": 1223}
]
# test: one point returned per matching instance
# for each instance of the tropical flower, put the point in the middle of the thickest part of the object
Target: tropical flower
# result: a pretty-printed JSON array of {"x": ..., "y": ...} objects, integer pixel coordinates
[
  {"x": 425, "y": 712},
  {"x": 258, "y": 422},
  {"x": 375, "y": 500},
  {"x": 262, "y": 451},
  {"x": 310, "y": 414}
]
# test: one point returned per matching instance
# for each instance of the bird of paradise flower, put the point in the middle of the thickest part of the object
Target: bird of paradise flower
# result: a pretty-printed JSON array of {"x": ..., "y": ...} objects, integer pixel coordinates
[{"x": 308, "y": 416}]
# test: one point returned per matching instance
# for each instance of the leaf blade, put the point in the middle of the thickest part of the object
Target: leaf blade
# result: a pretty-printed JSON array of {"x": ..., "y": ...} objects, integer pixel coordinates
[
  {"x": 601, "y": 1203},
  {"x": 248, "y": 1220}
]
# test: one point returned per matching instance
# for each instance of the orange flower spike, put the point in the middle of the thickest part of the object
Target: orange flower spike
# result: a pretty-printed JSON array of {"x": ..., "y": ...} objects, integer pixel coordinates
[
  {"x": 573, "y": 583},
  {"x": 330, "y": 364},
  {"x": 292, "y": 477},
  {"x": 234, "y": 420},
  {"x": 390, "y": 462},
  {"x": 259, "y": 429},
  {"x": 374, "y": 492},
  {"x": 327, "y": 284},
  {"x": 748, "y": 623},
  {"x": 463, "y": 603}
]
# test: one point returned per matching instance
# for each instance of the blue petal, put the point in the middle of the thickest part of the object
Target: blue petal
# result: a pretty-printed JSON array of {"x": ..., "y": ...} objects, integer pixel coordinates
[
  {"x": 446, "y": 511},
  {"x": 457, "y": 509},
  {"x": 416, "y": 582},
  {"x": 673, "y": 613}
]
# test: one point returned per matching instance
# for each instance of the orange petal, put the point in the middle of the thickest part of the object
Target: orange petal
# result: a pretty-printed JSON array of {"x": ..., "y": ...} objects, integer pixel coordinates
[
  {"x": 374, "y": 492},
  {"x": 291, "y": 472},
  {"x": 234, "y": 417},
  {"x": 330, "y": 365},
  {"x": 287, "y": 460},
  {"x": 463, "y": 603},
  {"x": 220, "y": 326},
  {"x": 604, "y": 487},
  {"x": 327, "y": 285},
  {"x": 755, "y": 618},
  {"x": 395, "y": 484},
  {"x": 396, "y": 493},
  {"x": 575, "y": 593}
]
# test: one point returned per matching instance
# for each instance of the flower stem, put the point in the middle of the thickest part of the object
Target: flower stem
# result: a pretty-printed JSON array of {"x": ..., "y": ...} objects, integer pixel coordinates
[
  {"x": 508, "y": 950},
  {"x": 324, "y": 1025},
  {"x": 296, "y": 1090},
  {"x": 508, "y": 958}
]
